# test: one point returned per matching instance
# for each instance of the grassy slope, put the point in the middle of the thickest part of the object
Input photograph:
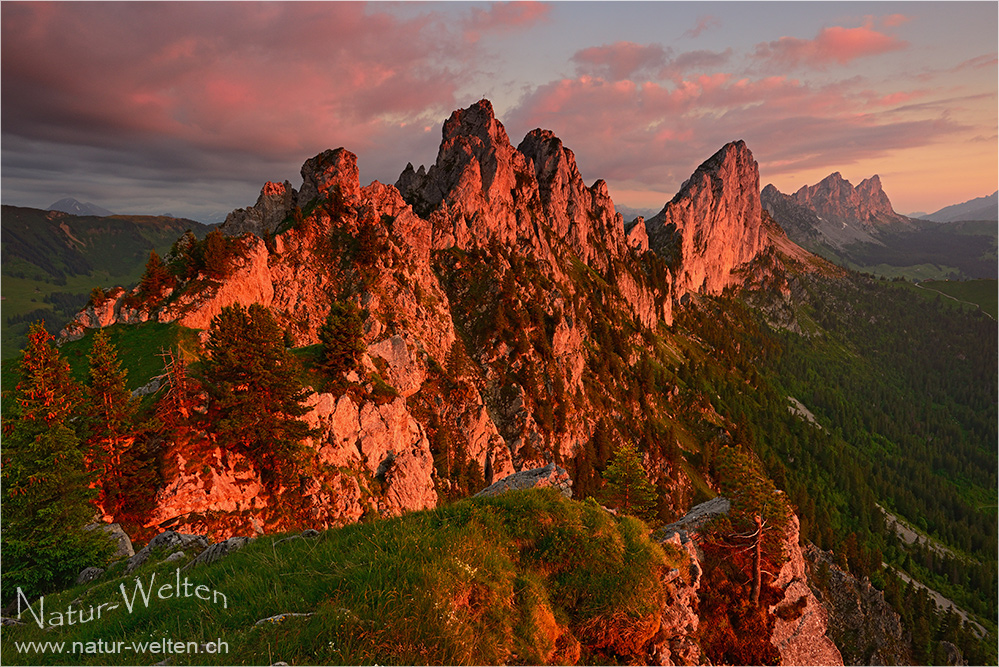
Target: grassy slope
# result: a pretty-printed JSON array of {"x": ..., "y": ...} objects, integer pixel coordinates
[{"x": 482, "y": 581}]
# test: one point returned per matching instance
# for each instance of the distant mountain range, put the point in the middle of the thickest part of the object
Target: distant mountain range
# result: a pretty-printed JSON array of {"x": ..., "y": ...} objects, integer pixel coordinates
[
  {"x": 74, "y": 207},
  {"x": 980, "y": 208},
  {"x": 858, "y": 228}
]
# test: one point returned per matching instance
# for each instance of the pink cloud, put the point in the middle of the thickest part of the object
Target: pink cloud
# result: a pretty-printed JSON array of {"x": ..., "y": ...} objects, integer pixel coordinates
[
  {"x": 278, "y": 78},
  {"x": 628, "y": 60},
  {"x": 504, "y": 16},
  {"x": 621, "y": 60},
  {"x": 650, "y": 136},
  {"x": 507, "y": 14},
  {"x": 832, "y": 45},
  {"x": 703, "y": 23},
  {"x": 894, "y": 20}
]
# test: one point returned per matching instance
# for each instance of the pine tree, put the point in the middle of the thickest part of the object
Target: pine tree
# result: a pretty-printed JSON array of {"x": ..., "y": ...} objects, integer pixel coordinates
[
  {"x": 627, "y": 485},
  {"x": 156, "y": 278},
  {"x": 342, "y": 338},
  {"x": 218, "y": 254},
  {"x": 110, "y": 409},
  {"x": 255, "y": 396},
  {"x": 46, "y": 487},
  {"x": 175, "y": 409}
]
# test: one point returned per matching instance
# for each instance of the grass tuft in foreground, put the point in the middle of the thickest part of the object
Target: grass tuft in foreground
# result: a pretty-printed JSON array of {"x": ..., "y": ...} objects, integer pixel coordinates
[{"x": 525, "y": 577}]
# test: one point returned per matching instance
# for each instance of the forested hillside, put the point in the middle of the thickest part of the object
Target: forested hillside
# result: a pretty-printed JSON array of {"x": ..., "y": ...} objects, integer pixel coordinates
[{"x": 52, "y": 260}]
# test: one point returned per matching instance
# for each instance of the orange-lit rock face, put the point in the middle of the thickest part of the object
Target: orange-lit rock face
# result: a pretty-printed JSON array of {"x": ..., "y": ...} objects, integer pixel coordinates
[
  {"x": 717, "y": 217},
  {"x": 802, "y": 639},
  {"x": 835, "y": 199},
  {"x": 452, "y": 381},
  {"x": 329, "y": 169}
]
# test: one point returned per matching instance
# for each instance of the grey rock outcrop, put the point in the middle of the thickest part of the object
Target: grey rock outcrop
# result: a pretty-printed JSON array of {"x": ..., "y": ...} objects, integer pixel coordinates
[
  {"x": 168, "y": 541},
  {"x": 274, "y": 204},
  {"x": 217, "y": 552},
  {"x": 89, "y": 574},
  {"x": 123, "y": 544},
  {"x": 692, "y": 521},
  {"x": 537, "y": 478}
]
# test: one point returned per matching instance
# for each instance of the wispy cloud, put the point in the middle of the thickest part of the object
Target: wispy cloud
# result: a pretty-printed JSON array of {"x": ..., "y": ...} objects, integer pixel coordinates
[
  {"x": 705, "y": 22},
  {"x": 834, "y": 45}
]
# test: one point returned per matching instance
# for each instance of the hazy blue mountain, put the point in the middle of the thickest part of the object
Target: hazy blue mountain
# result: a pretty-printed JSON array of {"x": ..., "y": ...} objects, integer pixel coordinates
[
  {"x": 74, "y": 207},
  {"x": 980, "y": 208}
]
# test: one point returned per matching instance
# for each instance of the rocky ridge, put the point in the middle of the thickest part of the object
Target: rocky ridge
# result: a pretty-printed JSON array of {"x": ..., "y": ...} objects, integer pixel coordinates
[
  {"x": 801, "y": 631},
  {"x": 833, "y": 212},
  {"x": 448, "y": 267},
  {"x": 835, "y": 198}
]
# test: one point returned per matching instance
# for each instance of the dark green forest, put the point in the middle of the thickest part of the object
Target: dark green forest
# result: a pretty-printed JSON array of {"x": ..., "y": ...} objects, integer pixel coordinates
[{"x": 904, "y": 393}]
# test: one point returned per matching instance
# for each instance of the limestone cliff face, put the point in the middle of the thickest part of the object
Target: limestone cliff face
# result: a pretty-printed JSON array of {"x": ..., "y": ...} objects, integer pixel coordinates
[
  {"x": 801, "y": 626},
  {"x": 864, "y": 626},
  {"x": 583, "y": 217},
  {"x": 273, "y": 205},
  {"x": 713, "y": 222},
  {"x": 801, "y": 629},
  {"x": 480, "y": 186}
]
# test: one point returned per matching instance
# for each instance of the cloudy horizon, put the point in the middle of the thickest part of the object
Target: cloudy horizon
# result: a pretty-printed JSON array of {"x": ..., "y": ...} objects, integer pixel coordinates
[{"x": 188, "y": 108}]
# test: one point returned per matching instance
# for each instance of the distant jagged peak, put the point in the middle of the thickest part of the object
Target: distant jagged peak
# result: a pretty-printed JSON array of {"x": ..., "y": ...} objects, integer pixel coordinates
[{"x": 836, "y": 199}]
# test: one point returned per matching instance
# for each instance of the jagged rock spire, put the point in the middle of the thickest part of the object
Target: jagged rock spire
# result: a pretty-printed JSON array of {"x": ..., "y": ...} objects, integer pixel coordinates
[
  {"x": 713, "y": 222},
  {"x": 834, "y": 198}
]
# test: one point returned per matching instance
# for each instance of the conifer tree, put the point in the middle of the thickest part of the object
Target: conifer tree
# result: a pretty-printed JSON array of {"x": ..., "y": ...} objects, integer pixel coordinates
[
  {"x": 110, "y": 409},
  {"x": 46, "y": 486},
  {"x": 175, "y": 409},
  {"x": 218, "y": 254},
  {"x": 627, "y": 486},
  {"x": 255, "y": 396},
  {"x": 341, "y": 336},
  {"x": 156, "y": 278}
]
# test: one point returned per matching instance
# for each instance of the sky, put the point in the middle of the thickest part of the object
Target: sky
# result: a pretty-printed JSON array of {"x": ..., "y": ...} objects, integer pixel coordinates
[{"x": 188, "y": 108}]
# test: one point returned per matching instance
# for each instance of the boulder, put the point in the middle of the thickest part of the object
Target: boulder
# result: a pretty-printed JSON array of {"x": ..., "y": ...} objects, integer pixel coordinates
[
  {"x": 217, "y": 552},
  {"x": 123, "y": 544},
  {"x": 168, "y": 540},
  {"x": 536, "y": 478},
  {"x": 89, "y": 574}
]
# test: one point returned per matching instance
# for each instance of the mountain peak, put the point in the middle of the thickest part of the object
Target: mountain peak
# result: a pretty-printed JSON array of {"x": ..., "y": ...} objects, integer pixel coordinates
[
  {"x": 836, "y": 199},
  {"x": 74, "y": 207},
  {"x": 714, "y": 223}
]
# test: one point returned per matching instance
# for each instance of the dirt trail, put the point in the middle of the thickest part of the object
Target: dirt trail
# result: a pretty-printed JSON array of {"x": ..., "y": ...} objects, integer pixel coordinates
[{"x": 930, "y": 289}]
